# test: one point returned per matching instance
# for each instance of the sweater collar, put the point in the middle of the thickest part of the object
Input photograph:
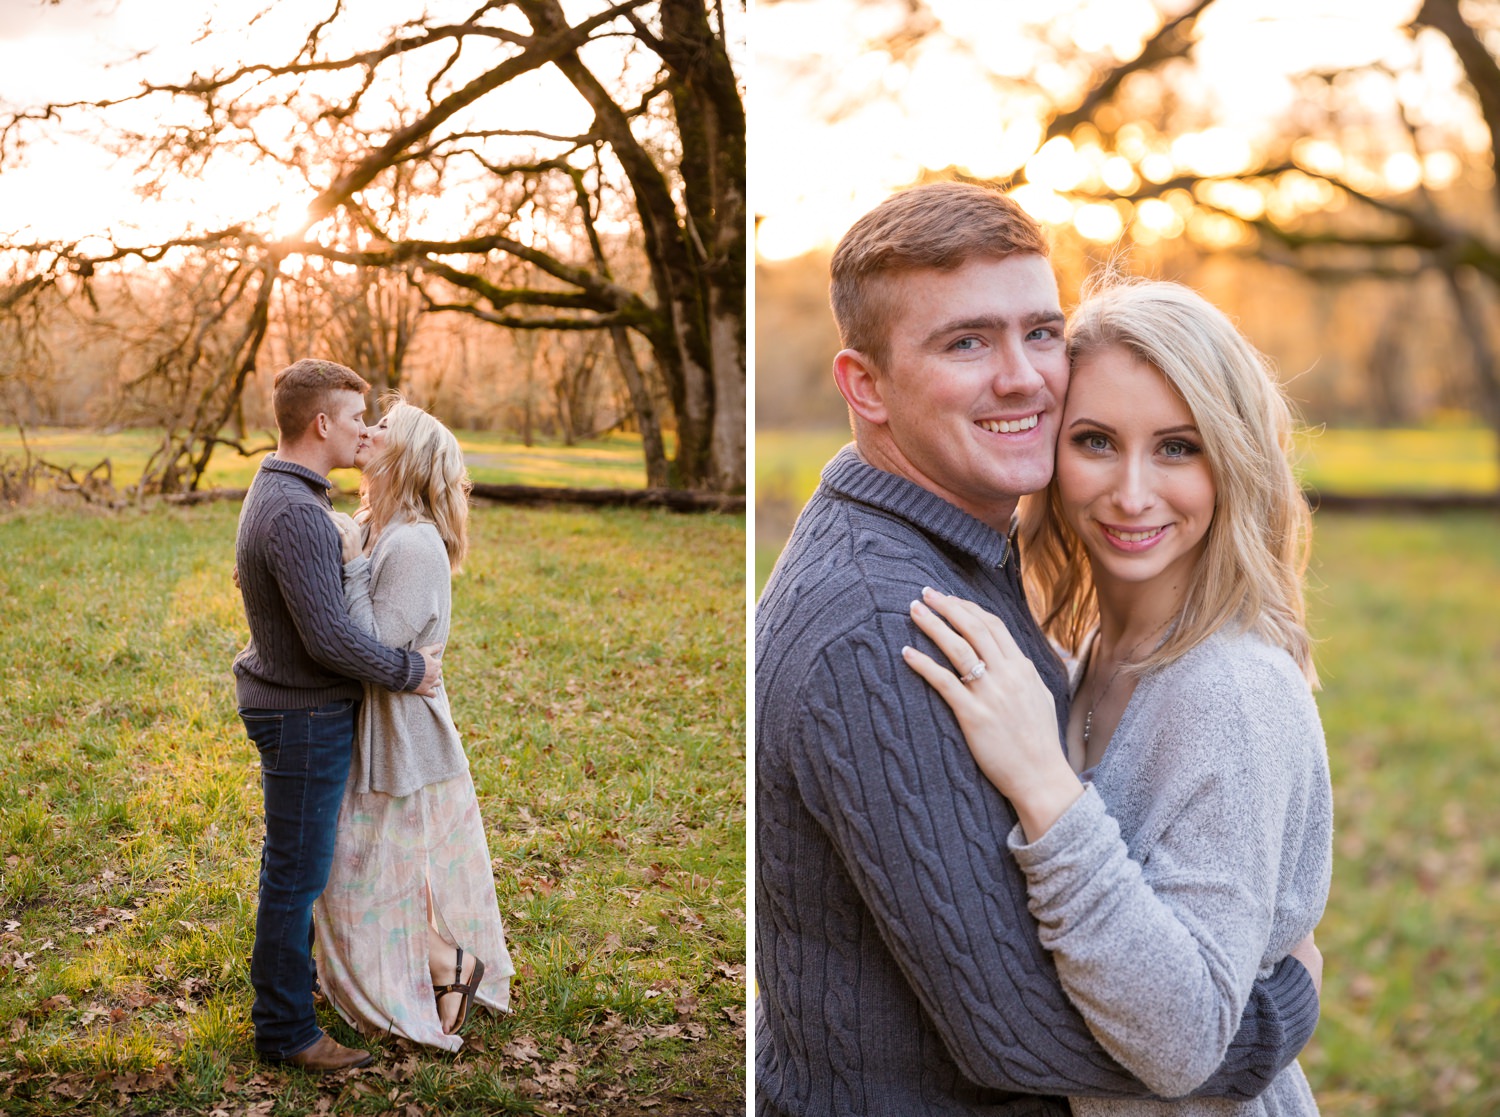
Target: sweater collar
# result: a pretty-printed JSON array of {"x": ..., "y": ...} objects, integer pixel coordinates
[
  {"x": 311, "y": 476},
  {"x": 851, "y": 476}
]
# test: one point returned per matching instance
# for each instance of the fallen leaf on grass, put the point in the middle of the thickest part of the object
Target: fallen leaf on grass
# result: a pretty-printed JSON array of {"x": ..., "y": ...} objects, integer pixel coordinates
[
  {"x": 73, "y": 1086},
  {"x": 523, "y": 1048},
  {"x": 53, "y": 1003},
  {"x": 18, "y": 1027},
  {"x": 399, "y": 1072},
  {"x": 144, "y": 1082}
]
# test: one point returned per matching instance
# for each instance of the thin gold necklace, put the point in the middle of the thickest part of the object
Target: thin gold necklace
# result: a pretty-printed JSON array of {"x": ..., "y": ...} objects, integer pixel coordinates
[{"x": 1088, "y": 717}]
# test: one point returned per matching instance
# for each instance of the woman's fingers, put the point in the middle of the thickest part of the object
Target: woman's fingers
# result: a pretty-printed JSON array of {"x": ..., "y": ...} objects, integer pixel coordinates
[
  {"x": 958, "y": 650},
  {"x": 985, "y": 632},
  {"x": 942, "y": 680}
]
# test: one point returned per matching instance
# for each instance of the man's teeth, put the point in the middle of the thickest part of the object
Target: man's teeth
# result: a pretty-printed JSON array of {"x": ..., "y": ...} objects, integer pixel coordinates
[
  {"x": 1135, "y": 536},
  {"x": 1009, "y": 426}
]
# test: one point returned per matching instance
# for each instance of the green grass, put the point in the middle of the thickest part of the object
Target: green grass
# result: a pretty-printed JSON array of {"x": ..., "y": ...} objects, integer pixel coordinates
[
  {"x": 603, "y": 711},
  {"x": 1456, "y": 459},
  {"x": 613, "y": 462},
  {"x": 1408, "y": 617}
]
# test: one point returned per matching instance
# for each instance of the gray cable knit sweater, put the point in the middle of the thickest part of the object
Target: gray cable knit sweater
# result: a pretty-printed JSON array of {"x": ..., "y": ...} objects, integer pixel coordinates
[
  {"x": 402, "y": 593},
  {"x": 898, "y": 969},
  {"x": 1212, "y": 861},
  {"x": 304, "y": 651}
]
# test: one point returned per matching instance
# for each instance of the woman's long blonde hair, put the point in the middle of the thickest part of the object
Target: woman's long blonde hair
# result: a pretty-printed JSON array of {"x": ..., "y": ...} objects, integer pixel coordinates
[
  {"x": 418, "y": 474},
  {"x": 1249, "y": 575}
]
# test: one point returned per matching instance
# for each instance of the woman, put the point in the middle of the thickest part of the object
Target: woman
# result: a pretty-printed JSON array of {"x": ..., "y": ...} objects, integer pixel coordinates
[
  {"x": 1181, "y": 844},
  {"x": 408, "y": 929}
]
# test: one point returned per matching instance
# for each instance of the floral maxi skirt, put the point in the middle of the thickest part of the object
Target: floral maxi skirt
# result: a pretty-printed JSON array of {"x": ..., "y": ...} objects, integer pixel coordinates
[{"x": 372, "y": 918}]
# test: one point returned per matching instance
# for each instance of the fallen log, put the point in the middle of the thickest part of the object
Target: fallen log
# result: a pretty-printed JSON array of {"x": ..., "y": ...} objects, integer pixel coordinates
[
  {"x": 1377, "y": 503},
  {"x": 676, "y": 500}
]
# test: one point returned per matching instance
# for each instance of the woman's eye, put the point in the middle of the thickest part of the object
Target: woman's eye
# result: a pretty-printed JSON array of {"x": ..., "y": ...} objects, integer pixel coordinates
[
  {"x": 1178, "y": 449},
  {"x": 1093, "y": 442}
]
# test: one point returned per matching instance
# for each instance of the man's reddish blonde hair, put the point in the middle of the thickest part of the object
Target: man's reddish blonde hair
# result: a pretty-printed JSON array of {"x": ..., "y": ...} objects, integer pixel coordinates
[
  {"x": 939, "y": 225},
  {"x": 303, "y": 390}
]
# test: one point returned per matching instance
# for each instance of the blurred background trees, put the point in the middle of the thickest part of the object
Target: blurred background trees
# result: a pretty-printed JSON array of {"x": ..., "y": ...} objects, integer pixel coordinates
[
  {"x": 1323, "y": 170},
  {"x": 526, "y": 217}
]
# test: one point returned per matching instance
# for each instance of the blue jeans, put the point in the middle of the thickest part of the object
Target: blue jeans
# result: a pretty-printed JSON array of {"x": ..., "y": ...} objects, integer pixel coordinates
[{"x": 304, "y": 764}]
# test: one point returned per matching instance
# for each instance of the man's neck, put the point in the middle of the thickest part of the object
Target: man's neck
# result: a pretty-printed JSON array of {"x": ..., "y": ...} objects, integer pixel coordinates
[
  {"x": 885, "y": 455},
  {"x": 304, "y": 454}
]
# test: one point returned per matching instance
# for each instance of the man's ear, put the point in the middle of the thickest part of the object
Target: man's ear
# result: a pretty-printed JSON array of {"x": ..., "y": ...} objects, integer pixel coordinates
[
  {"x": 322, "y": 424},
  {"x": 859, "y": 383}
]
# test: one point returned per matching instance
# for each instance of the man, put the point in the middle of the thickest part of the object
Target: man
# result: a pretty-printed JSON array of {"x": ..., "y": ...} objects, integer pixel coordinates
[
  {"x": 298, "y": 683},
  {"x": 899, "y": 971}
]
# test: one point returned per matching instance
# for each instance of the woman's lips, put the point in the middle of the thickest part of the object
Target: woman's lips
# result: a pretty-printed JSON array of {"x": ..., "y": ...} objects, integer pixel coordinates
[{"x": 1134, "y": 539}]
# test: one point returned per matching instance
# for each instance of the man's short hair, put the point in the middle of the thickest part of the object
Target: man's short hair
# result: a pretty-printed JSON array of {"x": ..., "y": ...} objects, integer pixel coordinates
[
  {"x": 937, "y": 225},
  {"x": 301, "y": 391}
]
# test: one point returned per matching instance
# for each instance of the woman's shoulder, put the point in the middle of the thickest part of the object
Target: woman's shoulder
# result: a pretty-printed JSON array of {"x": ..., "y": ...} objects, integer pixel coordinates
[
  {"x": 1236, "y": 660},
  {"x": 409, "y": 541},
  {"x": 1236, "y": 687}
]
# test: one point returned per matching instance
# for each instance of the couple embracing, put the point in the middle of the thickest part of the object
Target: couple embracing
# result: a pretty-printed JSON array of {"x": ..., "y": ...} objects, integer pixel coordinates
[
  {"x": 987, "y": 882},
  {"x": 373, "y": 830}
]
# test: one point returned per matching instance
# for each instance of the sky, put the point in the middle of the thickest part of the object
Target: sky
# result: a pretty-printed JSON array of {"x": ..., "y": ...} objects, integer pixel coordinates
[
  {"x": 91, "y": 49},
  {"x": 811, "y": 178},
  {"x": 69, "y": 186}
]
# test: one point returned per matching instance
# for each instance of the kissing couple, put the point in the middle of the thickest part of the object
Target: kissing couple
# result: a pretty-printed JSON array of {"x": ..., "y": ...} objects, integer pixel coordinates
[{"x": 373, "y": 831}]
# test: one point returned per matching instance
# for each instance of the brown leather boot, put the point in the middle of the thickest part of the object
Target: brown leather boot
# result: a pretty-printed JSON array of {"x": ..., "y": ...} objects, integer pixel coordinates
[{"x": 328, "y": 1054}]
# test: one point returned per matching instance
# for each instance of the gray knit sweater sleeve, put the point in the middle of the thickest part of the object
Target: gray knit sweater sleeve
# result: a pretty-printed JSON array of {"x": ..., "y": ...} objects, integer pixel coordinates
[{"x": 1211, "y": 861}]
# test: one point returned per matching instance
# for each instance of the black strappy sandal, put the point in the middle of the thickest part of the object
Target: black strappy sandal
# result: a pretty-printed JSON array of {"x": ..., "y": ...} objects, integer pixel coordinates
[{"x": 466, "y": 990}]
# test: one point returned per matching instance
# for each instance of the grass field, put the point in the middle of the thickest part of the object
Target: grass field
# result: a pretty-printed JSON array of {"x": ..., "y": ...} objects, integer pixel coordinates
[
  {"x": 1408, "y": 619},
  {"x": 615, "y": 462},
  {"x": 603, "y": 712},
  {"x": 1409, "y": 623}
]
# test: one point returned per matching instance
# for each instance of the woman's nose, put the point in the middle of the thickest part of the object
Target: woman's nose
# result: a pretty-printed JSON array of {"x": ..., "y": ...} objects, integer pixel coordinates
[{"x": 1133, "y": 491}]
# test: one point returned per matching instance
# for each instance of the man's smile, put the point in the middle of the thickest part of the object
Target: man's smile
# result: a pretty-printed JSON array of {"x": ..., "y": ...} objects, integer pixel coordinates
[{"x": 1010, "y": 426}]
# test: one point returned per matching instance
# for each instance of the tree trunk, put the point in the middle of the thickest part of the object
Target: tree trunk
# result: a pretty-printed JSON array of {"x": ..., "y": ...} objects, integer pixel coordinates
[{"x": 657, "y": 471}]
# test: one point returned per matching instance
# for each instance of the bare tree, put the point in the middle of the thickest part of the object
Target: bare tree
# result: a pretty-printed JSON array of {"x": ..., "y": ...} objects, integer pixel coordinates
[{"x": 632, "y": 225}]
